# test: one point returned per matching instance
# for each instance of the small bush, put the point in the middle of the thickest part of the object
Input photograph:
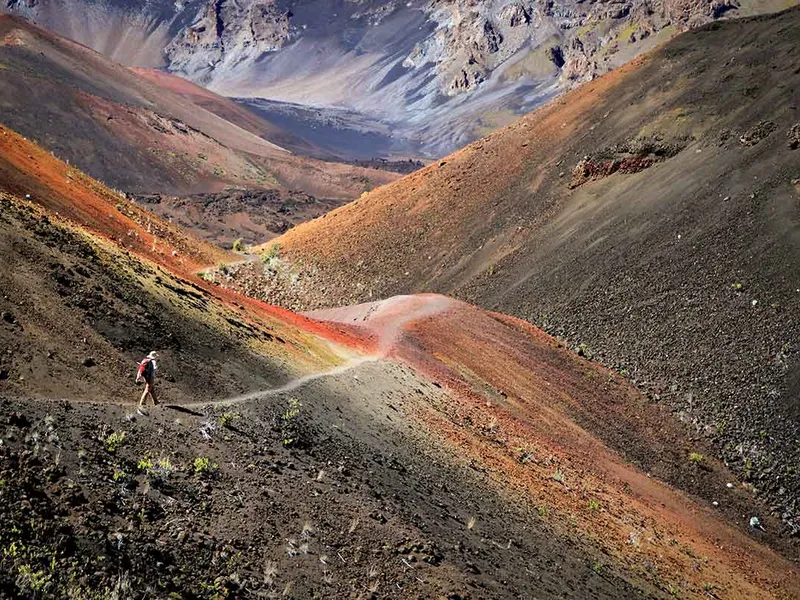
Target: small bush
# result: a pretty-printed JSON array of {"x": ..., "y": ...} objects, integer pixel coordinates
[
  {"x": 271, "y": 254},
  {"x": 203, "y": 464},
  {"x": 115, "y": 441},
  {"x": 239, "y": 246},
  {"x": 696, "y": 458},
  {"x": 289, "y": 433},
  {"x": 559, "y": 476},
  {"x": 228, "y": 417}
]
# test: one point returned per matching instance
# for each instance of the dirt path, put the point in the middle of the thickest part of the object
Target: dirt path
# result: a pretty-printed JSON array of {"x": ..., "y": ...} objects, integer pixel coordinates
[
  {"x": 286, "y": 387},
  {"x": 388, "y": 320}
]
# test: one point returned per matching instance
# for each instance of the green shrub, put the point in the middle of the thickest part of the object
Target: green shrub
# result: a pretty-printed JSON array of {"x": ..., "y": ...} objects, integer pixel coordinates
[
  {"x": 203, "y": 464},
  {"x": 228, "y": 417},
  {"x": 289, "y": 432},
  {"x": 239, "y": 246},
  {"x": 115, "y": 441},
  {"x": 271, "y": 254}
]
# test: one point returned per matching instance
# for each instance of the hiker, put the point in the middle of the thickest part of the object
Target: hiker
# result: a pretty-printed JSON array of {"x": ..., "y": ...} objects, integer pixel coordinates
[{"x": 147, "y": 374}]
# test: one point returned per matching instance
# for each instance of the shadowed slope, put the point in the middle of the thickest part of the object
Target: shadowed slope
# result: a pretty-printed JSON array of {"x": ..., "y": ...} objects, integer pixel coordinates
[
  {"x": 92, "y": 282},
  {"x": 438, "y": 451},
  {"x": 529, "y": 415},
  {"x": 649, "y": 218}
]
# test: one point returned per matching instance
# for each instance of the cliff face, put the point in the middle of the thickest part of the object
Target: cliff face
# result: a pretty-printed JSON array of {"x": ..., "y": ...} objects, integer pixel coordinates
[
  {"x": 228, "y": 32},
  {"x": 440, "y": 71}
]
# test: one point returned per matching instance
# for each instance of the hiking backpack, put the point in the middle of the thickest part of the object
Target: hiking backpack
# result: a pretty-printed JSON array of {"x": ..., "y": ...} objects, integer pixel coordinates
[{"x": 145, "y": 370}]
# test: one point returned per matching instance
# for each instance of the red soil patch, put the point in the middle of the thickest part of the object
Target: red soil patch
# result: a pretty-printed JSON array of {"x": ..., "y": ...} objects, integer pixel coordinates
[
  {"x": 544, "y": 424},
  {"x": 27, "y": 169}
]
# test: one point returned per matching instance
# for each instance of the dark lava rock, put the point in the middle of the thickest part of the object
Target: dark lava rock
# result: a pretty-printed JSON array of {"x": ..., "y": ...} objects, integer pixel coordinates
[{"x": 794, "y": 136}]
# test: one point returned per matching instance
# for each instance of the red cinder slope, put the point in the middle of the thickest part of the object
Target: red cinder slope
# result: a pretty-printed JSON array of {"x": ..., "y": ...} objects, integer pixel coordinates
[
  {"x": 649, "y": 217},
  {"x": 580, "y": 444}
]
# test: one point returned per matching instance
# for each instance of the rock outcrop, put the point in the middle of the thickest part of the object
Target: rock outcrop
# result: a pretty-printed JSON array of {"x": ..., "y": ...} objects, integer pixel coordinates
[
  {"x": 229, "y": 32},
  {"x": 456, "y": 67}
]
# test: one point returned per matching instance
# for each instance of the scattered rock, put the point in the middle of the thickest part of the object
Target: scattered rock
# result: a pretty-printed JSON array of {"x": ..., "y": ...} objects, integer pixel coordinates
[
  {"x": 794, "y": 136},
  {"x": 17, "y": 419},
  {"x": 756, "y": 134}
]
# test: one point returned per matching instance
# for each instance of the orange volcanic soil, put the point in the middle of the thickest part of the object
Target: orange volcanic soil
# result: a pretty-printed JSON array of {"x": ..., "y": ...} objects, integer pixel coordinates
[
  {"x": 28, "y": 170},
  {"x": 559, "y": 433},
  {"x": 547, "y": 430}
]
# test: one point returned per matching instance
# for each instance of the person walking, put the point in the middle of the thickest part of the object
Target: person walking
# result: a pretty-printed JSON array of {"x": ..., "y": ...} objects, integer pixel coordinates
[{"x": 147, "y": 374}]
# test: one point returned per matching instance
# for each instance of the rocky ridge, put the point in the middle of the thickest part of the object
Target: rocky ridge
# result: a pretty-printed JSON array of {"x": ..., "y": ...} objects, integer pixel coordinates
[{"x": 442, "y": 72}]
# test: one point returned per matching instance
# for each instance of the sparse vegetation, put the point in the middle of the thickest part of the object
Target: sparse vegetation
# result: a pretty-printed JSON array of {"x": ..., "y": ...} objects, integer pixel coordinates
[
  {"x": 594, "y": 505},
  {"x": 203, "y": 465},
  {"x": 289, "y": 432},
  {"x": 271, "y": 255},
  {"x": 228, "y": 417},
  {"x": 559, "y": 476},
  {"x": 239, "y": 246},
  {"x": 696, "y": 458},
  {"x": 208, "y": 276},
  {"x": 115, "y": 441}
]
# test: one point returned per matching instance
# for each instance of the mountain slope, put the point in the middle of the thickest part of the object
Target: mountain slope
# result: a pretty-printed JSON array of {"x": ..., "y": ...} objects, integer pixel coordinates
[
  {"x": 419, "y": 445},
  {"x": 649, "y": 218},
  {"x": 437, "y": 74},
  {"x": 93, "y": 282},
  {"x": 135, "y": 134}
]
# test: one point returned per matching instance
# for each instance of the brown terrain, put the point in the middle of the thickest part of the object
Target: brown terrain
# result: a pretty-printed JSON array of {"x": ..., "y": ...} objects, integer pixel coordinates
[
  {"x": 148, "y": 134},
  {"x": 648, "y": 219},
  {"x": 417, "y": 447},
  {"x": 389, "y": 443}
]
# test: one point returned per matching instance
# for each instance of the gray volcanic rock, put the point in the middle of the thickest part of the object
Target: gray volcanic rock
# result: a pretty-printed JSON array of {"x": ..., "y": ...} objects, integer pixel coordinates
[
  {"x": 439, "y": 73},
  {"x": 228, "y": 33}
]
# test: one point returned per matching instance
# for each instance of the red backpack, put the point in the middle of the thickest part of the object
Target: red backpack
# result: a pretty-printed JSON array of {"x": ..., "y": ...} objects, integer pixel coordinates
[{"x": 145, "y": 370}]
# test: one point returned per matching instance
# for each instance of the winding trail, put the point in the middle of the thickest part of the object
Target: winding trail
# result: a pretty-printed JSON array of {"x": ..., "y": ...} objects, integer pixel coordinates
[
  {"x": 286, "y": 387},
  {"x": 387, "y": 319}
]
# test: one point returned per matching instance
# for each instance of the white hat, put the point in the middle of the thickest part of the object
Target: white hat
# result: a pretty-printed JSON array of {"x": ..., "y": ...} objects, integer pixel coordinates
[{"x": 152, "y": 355}]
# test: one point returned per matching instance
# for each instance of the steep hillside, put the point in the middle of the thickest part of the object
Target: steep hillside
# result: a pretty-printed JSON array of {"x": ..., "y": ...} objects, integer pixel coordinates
[
  {"x": 649, "y": 218},
  {"x": 418, "y": 447},
  {"x": 92, "y": 282},
  {"x": 135, "y": 134},
  {"x": 436, "y": 74}
]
